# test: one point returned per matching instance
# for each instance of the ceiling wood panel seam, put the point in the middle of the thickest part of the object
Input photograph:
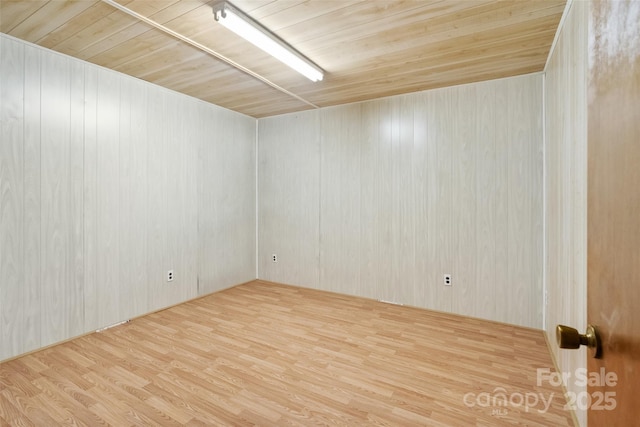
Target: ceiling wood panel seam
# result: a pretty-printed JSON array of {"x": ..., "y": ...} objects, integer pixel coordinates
[{"x": 206, "y": 50}]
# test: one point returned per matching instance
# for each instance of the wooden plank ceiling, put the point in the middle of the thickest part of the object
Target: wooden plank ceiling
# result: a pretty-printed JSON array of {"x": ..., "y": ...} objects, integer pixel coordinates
[{"x": 368, "y": 48}]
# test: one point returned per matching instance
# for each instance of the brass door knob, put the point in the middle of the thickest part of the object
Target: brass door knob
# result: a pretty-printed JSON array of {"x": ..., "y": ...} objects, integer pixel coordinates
[{"x": 568, "y": 337}]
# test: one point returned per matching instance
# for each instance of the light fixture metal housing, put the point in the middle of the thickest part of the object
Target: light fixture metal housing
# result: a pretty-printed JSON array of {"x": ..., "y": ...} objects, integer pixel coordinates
[{"x": 255, "y": 33}]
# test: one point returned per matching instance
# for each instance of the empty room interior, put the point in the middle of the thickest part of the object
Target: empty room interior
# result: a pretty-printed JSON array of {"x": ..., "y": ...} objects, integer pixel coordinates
[{"x": 319, "y": 212}]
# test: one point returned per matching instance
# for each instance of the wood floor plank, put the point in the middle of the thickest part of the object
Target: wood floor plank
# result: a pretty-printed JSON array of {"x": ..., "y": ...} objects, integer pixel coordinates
[{"x": 269, "y": 354}]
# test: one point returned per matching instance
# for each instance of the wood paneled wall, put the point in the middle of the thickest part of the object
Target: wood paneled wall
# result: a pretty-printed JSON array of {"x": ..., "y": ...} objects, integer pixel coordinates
[
  {"x": 566, "y": 188},
  {"x": 288, "y": 197},
  {"x": 380, "y": 199},
  {"x": 107, "y": 182},
  {"x": 227, "y": 210}
]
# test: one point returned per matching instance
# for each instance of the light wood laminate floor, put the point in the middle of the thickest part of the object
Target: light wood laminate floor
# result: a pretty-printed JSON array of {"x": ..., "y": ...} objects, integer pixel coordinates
[{"x": 266, "y": 354}]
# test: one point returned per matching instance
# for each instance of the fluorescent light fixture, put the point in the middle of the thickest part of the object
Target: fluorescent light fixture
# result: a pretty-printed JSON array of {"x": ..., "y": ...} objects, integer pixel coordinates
[{"x": 244, "y": 26}]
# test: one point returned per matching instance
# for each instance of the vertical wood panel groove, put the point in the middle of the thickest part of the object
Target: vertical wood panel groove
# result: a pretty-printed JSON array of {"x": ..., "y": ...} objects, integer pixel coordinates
[
  {"x": 75, "y": 302},
  {"x": 32, "y": 180}
]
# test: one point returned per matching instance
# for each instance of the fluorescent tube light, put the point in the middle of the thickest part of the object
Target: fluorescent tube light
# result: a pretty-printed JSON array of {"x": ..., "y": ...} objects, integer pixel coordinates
[{"x": 253, "y": 32}]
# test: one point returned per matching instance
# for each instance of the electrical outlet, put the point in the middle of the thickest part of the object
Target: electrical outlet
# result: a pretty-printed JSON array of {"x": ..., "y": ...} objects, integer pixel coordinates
[
  {"x": 447, "y": 280},
  {"x": 274, "y": 258},
  {"x": 170, "y": 276}
]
